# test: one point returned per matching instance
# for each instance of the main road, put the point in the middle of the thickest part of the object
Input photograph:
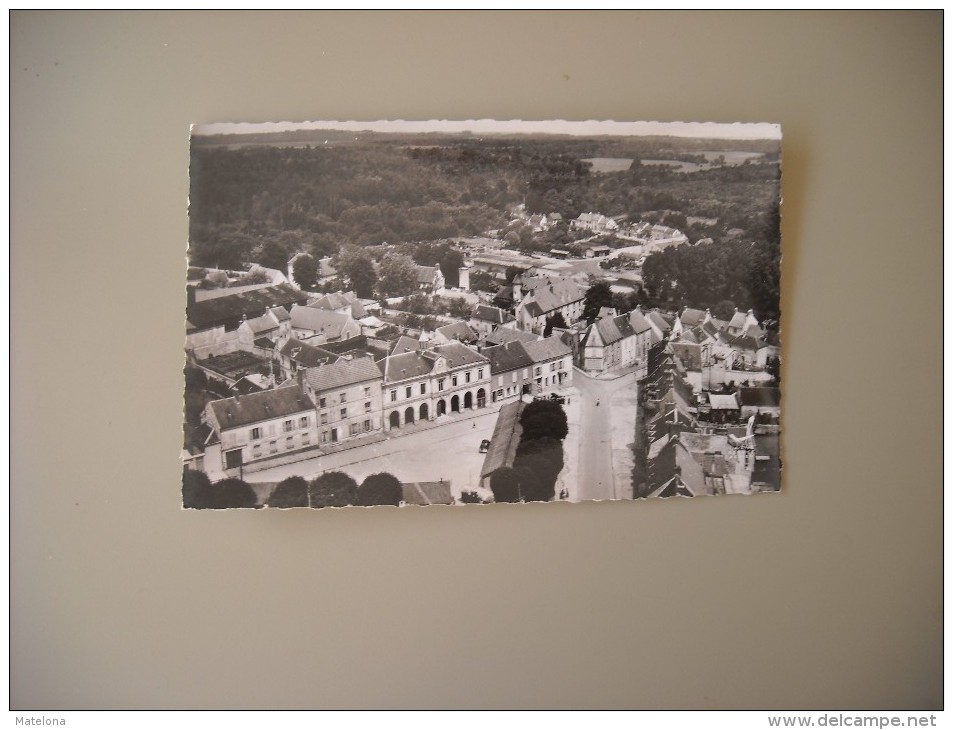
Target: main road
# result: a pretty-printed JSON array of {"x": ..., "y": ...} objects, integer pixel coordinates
[{"x": 595, "y": 477}]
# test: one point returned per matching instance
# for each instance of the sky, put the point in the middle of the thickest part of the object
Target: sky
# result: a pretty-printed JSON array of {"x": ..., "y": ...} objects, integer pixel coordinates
[{"x": 490, "y": 126}]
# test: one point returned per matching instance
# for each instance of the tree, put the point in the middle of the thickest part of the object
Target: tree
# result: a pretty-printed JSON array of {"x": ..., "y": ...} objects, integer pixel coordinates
[
  {"x": 305, "y": 271},
  {"x": 450, "y": 263},
  {"x": 256, "y": 275},
  {"x": 483, "y": 281},
  {"x": 557, "y": 320},
  {"x": 725, "y": 309},
  {"x": 543, "y": 457},
  {"x": 215, "y": 280},
  {"x": 398, "y": 275},
  {"x": 380, "y": 488},
  {"x": 200, "y": 493},
  {"x": 598, "y": 295},
  {"x": 356, "y": 264},
  {"x": 333, "y": 489},
  {"x": 273, "y": 254},
  {"x": 291, "y": 492},
  {"x": 543, "y": 418},
  {"x": 504, "y": 483}
]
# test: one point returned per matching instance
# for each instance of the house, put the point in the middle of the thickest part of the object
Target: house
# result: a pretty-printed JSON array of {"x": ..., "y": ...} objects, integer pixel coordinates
[
  {"x": 562, "y": 296},
  {"x": 322, "y": 325},
  {"x": 295, "y": 355},
  {"x": 765, "y": 403},
  {"x": 261, "y": 335},
  {"x": 406, "y": 344},
  {"x": 258, "y": 426},
  {"x": 594, "y": 222},
  {"x": 347, "y": 398},
  {"x": 430, "y": 279},
  {"x": 552, "y": 363},
  {"x": 502, "y": 335},
  {"x": 560, "y": 253},
  {"x": 456, "y": 332},
  {"x": 485, "y": 319},
  {"x": 597, "y": 252},
  {"x": 423, "y": 385},
  {"x": 503, "y": 444},
  {"x": 616, "y": 343},
  {"x": 342, "y": 302},
  {"x": 511, "y": 371}
]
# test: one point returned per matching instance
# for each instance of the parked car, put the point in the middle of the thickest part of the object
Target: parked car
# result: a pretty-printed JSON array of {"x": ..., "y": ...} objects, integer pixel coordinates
[{"x": 484, "y": 446}]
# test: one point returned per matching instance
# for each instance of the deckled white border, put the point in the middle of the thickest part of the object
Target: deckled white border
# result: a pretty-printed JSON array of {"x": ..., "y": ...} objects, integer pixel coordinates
[{"x": 720, "y": 130}]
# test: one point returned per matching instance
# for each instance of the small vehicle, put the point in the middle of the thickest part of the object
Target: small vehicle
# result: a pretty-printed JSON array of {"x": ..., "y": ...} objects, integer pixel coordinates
[
  {"x": 484, "y": 446},
  {"x": 557, "y": 399}
]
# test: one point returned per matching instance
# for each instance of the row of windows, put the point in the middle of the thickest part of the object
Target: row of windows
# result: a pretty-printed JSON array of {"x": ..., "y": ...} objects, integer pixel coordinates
[
  {"x": 342, "y": 398},
  {"x": 288, "y": 426},
  {"x": 258, "y": 449},
  {"x": 441, "y": 384}
]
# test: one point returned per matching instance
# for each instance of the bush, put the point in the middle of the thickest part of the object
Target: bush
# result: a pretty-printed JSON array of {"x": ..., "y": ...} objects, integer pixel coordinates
[
  {"x": 380, "y": 489},
  {"x": 333, "y": 489},
  {"x": 199, "y": 493},
  {"x": 292, "y": 492},
  {"x": 544, "y": 418}
]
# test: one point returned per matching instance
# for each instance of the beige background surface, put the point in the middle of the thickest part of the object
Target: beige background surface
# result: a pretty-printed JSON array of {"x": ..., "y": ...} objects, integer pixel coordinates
[{"x": 828, "y": 596}]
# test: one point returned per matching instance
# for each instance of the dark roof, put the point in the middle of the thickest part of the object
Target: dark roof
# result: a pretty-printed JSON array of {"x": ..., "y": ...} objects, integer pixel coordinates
[
  {"x": 306, "y": 355},
  {"x": 406, "y": 365},
  {"x": 458, "y": 331},
  {"x": 427, "y": 492},
  {"x": 690, "y": 353},
  {"x": 342, "y": 373},
  {"x": 243, "y": 410},
  {"x": 491, "y": 314},
  {"x": 765, "y": 397},
  {"x": 691, "y": 317},
  {"x": 426, "y": 274},
  {"x": 229, "y": 310},
  {"x": 502, "y": 335},
  {"x": 459, "y": 355},
  {"x": 508, "y": 357},
  {"x": 506, "y": 437},
  {"x": 547, "y": 349}
]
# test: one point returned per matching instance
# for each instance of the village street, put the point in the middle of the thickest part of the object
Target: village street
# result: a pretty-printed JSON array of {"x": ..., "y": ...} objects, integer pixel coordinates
[{"x": 606, "y": 430}]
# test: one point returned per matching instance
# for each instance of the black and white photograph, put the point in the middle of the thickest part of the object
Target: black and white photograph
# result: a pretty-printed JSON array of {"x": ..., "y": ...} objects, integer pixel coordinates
[{"x": 448, "y": 313}]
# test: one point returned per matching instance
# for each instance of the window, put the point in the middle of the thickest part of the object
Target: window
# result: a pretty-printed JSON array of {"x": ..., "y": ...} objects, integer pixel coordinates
[
  {"x": 480, "y": 374},
  {"x": 289, "y": 426},
  {"x": 324, "y": 419},
  {"x": 290, "y": 442},
  {"x": 355, "y": 429},
  {"x": 343, "y": 398},
  {"x": 552, "y": 367},
  {"x": 514, "y": 377},
  {"x": 453, "y": 380},
  {"x": 499, "y": 393},
  {"x": 466, "y": 377},
  {"x": 256, "y": 451},
  {"x": 539, "y": 371},
  {"x": 256, "y": 433},
  {"x": 324, "y": 437},
  {"x": 408, "y": 391},
  {"x": 305, "y": 438},
  {"x": 393, "y": 395},
  {"x": 367, "y": 392},
  {"x": 440, "y": 383},
  {"x": 344, "y": 413},
  {"x": 367, "y": 425},
  {"x": 323, "y": 403},
  {"x": 367, "y": 407},
  {"x": 423, "y": 388},
  {"x": 561, "y": 363},
  {"x": 273, "y": 447},
  {"x": 303, "y": 422}
]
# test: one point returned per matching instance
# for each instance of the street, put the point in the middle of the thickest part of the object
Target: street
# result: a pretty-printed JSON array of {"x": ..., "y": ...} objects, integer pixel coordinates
[{"x": 607, "y": 425}]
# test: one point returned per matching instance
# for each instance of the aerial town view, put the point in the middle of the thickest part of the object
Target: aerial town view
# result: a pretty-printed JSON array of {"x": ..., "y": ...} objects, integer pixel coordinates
[{"x": 467, "y": 313}]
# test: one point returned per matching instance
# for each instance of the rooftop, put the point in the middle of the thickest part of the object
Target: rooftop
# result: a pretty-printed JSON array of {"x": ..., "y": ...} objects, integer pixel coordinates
[
  {"x": 342, "y": 373},
  {"x": 243, "y": 410}
]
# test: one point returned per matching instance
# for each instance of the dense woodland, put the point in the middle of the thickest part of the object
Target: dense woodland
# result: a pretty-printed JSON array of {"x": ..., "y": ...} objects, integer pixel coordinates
[{"x": 263, "y": 203}]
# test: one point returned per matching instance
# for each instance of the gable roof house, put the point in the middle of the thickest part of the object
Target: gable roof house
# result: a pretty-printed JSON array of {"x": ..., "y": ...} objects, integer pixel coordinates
[
  {"x": 261, "y": 335},
  {"x": 455, "y": 332},
  {"x": 561, "y": 295},
  {"x": 430, "y": 279},
  {"x": 616, "y": 343},
  {"x": 347, "y": 397},
  {"x": 259, "y": 426},
  {"x": 322, "y": 325},
  {"x": 486, "y": 319},
  {"x": 511, "y": 370}
]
